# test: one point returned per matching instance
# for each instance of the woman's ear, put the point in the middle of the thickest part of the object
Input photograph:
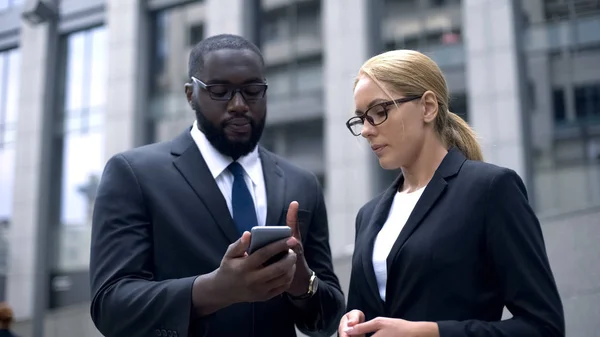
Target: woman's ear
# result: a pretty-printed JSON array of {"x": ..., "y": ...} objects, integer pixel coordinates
[{"x": 430, "y": 106}]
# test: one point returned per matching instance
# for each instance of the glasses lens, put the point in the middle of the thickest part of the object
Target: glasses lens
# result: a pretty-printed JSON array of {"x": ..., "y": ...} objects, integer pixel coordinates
[
  {"x": 356, "y": 125},
  {"x": 377, "y": 114},
  {"x": 219, "y": 92},
  {"x": 250, "y": 92},
  {"x": 254, "y": 91}
]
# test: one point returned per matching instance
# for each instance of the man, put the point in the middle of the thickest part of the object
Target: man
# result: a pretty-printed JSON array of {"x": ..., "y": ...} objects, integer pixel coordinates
[{"x": 168, "y": 256}]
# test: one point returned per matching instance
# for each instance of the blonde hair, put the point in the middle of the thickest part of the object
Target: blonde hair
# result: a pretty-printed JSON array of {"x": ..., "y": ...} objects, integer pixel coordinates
[
  {"x": 6, "y": 316},
  {"x": 412, "y": 73}
]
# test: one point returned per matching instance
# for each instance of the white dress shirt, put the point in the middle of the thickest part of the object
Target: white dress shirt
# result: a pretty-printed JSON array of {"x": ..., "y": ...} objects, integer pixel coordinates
[
  {"x": 401, "y": 208},
  {"x": 253, "y": 173}
]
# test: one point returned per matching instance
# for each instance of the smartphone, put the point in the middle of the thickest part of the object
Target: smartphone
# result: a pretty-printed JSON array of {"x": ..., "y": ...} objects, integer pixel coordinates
[{"x": 264, "y": 235}]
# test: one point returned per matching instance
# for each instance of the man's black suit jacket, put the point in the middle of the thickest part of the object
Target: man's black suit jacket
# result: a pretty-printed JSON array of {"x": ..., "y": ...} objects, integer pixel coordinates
[
  {"x": 471, "y": 246},
  {"x": 160, "y": 220}
]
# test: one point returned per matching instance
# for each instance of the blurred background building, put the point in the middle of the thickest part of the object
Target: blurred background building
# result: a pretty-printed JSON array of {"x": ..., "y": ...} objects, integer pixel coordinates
[{"x": 103, "y": 76}]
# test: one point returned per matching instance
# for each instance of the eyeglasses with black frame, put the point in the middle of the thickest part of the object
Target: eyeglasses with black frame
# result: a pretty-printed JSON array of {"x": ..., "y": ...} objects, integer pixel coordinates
[
  {"x": 375, "y": 115},
  {"x": 225, "y": 92}
]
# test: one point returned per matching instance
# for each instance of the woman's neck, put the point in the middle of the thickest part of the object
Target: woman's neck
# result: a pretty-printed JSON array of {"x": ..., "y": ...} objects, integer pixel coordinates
[{"x": 422, "y": 170}]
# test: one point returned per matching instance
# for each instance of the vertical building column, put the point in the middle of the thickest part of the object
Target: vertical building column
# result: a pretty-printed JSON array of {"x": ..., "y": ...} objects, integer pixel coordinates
[
  {"x": 126, "y": 110},
  {"x": 349, "y": 166},
  {"x": 27, "y": 284},
  {"x": 495, "y": 82}
]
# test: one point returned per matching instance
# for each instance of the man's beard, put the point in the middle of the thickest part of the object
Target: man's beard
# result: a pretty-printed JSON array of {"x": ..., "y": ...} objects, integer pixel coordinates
[{"x": 217, "y": 137}]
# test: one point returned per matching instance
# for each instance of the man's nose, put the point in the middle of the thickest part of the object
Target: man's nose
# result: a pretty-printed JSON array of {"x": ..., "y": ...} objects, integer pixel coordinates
[{"x": 237, "y": 104}]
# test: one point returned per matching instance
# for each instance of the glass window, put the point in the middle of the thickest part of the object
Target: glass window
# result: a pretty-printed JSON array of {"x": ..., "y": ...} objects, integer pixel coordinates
[
  {"x": 275, "y": 28},
  {"x": 564, "y": 127},
  {"x": 9, "y": 96},
  {"x": 309, "y": 77},
  {"x": 196, "y": 34},
  {"x": 9, "y": 92},
  {"x": 83, "y": 143},
  {"x": 175, "y": 31},
  {"x": 558, "y": 100},
  {"x": 5, "y": 4},
  {"x": 587, "y": 102},
  {"x": 458, "y": 105}
]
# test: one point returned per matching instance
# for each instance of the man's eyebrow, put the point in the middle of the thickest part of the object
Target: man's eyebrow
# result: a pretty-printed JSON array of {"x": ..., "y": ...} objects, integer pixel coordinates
[
  {"x": 217, "y": 81},
  {"x": 373, "y": 102},
  {"x": 248, "y": 81},
  {"x": 255, "y": 80}
]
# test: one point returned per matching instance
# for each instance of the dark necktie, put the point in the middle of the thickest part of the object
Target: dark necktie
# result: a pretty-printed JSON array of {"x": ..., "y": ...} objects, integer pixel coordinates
[{"x": 244, "y": 213}]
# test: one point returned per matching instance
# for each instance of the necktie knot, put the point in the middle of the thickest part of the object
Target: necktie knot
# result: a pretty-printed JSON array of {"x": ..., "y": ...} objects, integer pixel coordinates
[{"x": 236, "y": 169}]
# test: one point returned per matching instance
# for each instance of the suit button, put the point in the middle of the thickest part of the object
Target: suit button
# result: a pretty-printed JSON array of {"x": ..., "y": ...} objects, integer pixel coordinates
[
  {"x": 164, "y": 332},
  {"x": 157, "y": 332}
]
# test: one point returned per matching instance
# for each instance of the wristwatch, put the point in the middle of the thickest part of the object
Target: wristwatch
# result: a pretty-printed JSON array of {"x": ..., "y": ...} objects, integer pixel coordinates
[{"x": 313, "y": 285}]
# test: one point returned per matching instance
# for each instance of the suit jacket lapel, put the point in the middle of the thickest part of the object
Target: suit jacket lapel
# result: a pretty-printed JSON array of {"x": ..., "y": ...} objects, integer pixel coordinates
[
  {"x": 190, "y": 163},
  {"x": 436, "y": 187},
  {"x": 275, "y": 186},
  {"x": 377, "y": 220}
]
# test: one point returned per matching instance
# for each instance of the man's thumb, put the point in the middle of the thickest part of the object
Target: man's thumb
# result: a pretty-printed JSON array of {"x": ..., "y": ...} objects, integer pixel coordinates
[{"x": 238, "y": 248}]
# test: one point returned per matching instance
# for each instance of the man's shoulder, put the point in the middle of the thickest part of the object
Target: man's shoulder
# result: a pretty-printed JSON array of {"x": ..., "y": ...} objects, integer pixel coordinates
[
  {"x": 146, "y": 154},
  {"x": 287, "y": 166}
]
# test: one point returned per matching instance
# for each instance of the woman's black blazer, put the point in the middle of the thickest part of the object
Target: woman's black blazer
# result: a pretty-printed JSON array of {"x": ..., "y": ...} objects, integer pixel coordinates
[{"x": 471, "y": 246}]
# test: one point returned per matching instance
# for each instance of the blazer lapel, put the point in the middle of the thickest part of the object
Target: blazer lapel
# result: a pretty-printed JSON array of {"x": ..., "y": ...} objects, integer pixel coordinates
[
  {"x": 275, "y": 186},
  {"x": 377, "y": 220},
  {"x": 436, "y": 187},
  {"x": 190, "y": 163}
]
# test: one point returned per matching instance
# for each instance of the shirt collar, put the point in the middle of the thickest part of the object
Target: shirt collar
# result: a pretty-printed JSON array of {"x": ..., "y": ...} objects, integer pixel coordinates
[{"x": 218, "y": 162}]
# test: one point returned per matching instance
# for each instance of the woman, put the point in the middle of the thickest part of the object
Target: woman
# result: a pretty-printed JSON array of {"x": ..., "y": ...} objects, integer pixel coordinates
[
  {"x": 453, "y": 240},
  {"x": 6, "y": 318}
]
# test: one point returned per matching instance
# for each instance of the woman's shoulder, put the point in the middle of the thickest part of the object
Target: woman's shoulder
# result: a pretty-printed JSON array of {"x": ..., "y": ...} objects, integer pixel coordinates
[
  {"x": 365, "y": 211},
  {"x": 473, "y": 169},
  {"x": 495, "y": 180}
]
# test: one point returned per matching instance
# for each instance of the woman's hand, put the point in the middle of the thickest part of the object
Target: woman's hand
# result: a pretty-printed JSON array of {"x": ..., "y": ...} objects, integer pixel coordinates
[
  {"x": 391, "y": 327},
  {"x": 349, "y": 320}
]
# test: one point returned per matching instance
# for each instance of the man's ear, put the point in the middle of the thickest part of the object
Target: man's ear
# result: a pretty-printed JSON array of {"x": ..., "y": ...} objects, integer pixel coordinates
[
  {"x": 189, "y": 92},
  {"x": 430, "y": 106}
]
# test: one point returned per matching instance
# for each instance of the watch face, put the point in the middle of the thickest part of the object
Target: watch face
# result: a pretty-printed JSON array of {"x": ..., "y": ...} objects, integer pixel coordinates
[{"x": 315, "y": 285}]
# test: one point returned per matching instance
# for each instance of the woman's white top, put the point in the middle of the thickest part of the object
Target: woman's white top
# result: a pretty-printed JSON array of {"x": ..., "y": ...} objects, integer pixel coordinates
[{"x": 402, "y": 206}]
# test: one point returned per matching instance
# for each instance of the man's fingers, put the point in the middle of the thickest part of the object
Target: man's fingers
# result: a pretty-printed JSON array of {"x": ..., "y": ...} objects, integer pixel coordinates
[
  {"x": 292, "y": 219},
  {"x": 280, "y": 268},
  {"x": 265, "y": 253},
  {"x": 362, "y": 328},
  {"x": 238, "y": 248}
]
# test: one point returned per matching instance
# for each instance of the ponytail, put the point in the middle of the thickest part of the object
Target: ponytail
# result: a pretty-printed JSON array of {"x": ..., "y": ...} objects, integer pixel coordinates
[{"x": 460, "y": 135}]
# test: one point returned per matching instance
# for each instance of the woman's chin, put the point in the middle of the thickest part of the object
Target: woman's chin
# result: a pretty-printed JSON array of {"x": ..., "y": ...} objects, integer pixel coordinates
[{"x": 387, "y": 164}]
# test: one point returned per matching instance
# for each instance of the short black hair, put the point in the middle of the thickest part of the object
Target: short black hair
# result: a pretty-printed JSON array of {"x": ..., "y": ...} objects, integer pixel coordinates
[{"x": 218, "y": 42}]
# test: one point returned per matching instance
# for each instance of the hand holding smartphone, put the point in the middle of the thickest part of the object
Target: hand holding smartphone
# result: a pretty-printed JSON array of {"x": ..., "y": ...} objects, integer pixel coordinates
[{"x": 262, "y": 236}]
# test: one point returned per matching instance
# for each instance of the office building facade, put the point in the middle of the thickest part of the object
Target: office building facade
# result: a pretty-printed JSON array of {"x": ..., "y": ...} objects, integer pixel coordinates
[{"x": 103, "y": 76}]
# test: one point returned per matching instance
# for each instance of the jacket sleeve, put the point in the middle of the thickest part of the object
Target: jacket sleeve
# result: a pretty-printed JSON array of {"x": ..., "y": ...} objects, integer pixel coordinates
[
  {"x": 321, "y": 314},
  {"x": 126, "y": 300},
  {"x": 517, "y": 253},
  {"x": 354, "y": 293}
]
